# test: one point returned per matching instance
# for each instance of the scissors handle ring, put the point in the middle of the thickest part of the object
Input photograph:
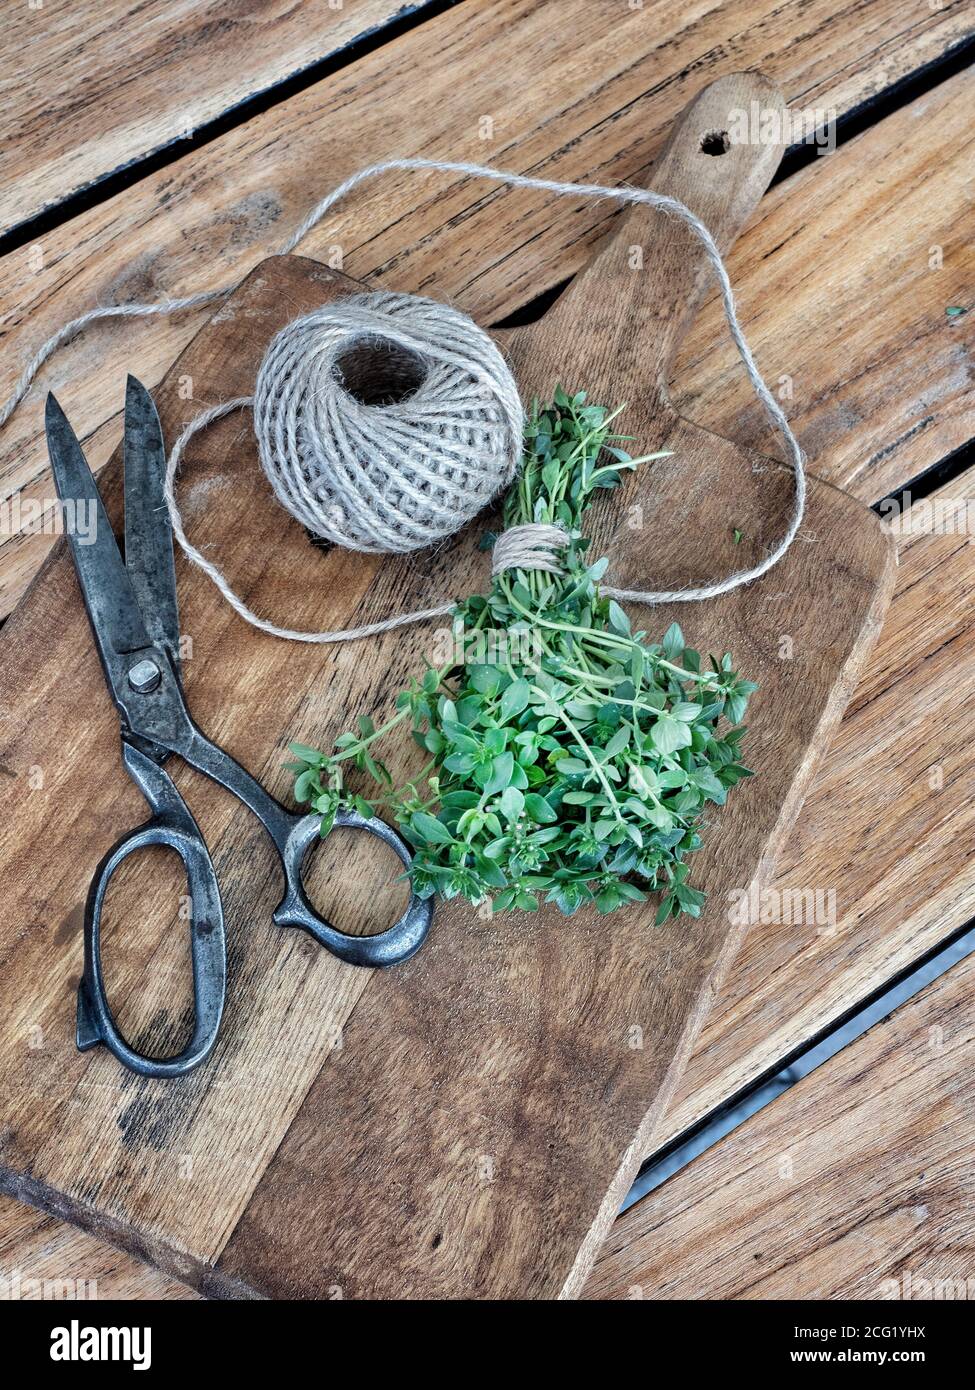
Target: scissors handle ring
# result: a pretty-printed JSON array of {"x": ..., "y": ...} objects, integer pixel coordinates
[
  {"x": 400, "y": 941},
  {"x": 173, "y": 827},
  {"x": 293, "y": 835}
]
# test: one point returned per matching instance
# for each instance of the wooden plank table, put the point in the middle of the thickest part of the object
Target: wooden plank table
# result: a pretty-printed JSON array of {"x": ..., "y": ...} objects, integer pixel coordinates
[
  {"x": 856, "y": 1184},
  {"x": 932, "y": 570},
  {"x": 206, "y": 220},
  {"x": 879, "y": 377},
  {"x": 75, "y": 110}
]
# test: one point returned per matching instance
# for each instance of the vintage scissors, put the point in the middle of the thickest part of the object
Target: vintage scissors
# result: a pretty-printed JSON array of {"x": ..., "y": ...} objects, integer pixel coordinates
[{"x": 133, "y": 614}]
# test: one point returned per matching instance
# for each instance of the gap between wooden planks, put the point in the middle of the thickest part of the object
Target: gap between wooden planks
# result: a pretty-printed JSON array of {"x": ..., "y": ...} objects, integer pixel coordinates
[
  {"x": 911, "y": 693},
  {"x": 71, "y": 114},
  {"x": 887, "y": 825},
  {"x": 855, "y": 1184},
  {"x": 587, "y": 97},
  {"x": 846, "y": 279},
  {"x": 868, "y": 150},
  {"x": 490, "y": 975},
  {"x": 928, "y": 616}
]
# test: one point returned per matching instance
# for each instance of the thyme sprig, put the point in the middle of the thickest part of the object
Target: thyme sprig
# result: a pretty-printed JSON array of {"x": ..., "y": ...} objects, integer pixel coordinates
[{"x": 568, "y": 758}]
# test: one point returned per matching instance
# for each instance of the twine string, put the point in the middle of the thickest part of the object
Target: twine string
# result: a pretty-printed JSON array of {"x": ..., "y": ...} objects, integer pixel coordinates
[{"x": 533, "y": 546}]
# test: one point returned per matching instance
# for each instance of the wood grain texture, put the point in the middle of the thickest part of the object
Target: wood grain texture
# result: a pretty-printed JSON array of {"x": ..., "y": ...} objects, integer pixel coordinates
[
  {"x": 474, "y": 1148},
  {"x": 43, "y": 1258},
  {"x": 588, "y": 96},
  {"x": 886, "y": 828},
  {"x": 88, "y": 88},
  {"x": 845, "y": 278},
  {"x": 896, "y": 853},
  {"x": 856, "y": 1184}
]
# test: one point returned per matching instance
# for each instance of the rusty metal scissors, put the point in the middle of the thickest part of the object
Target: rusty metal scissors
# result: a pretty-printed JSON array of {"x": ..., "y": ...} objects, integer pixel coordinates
[{"x": 134, "y": 619}]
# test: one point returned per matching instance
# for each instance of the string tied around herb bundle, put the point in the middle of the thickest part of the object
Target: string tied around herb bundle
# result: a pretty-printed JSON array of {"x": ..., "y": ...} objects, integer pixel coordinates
[{"x": 393, "y": 475}]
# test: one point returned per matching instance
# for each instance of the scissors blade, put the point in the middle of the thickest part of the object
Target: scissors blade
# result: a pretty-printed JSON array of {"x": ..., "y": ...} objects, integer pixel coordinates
[
  {"x": 113, "y": 609},
  {"x": 148, "y": 533}
]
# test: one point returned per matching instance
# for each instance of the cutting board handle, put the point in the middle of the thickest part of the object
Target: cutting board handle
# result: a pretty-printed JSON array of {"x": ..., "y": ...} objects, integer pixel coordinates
[{"x": 620, "y": 322}]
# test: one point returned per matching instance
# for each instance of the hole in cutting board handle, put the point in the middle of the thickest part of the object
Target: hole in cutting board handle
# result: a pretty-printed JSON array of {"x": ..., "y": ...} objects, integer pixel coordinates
[{"x": 715, "y": 142}]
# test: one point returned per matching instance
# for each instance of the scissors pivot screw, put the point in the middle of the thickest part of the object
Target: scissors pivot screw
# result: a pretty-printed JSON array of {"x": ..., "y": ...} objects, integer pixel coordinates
[{"x": 144, "y": 676}]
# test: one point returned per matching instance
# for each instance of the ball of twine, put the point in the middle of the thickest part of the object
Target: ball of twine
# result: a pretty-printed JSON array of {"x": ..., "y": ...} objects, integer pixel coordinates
[
  {"x": 386, "y": 421},
  {"x": 454, "y": 396}
]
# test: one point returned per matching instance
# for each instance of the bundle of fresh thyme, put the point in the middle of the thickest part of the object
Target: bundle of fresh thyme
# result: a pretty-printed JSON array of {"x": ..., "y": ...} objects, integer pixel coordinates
[{"x": 569, "y": 759}]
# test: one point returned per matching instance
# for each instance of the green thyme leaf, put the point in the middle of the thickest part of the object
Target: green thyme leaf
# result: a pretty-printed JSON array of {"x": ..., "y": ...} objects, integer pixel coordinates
[{"x": 567, "y": 758}]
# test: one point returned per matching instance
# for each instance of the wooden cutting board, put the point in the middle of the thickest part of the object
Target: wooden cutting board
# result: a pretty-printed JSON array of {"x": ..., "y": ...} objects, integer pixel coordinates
[{"x": 464, "y": 1125}]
